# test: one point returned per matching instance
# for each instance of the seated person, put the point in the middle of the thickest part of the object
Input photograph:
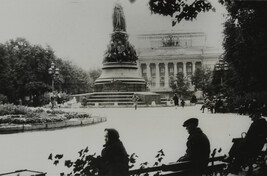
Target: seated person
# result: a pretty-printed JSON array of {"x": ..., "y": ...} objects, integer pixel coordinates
[
  {"x": 205, "y": 105},
  {"x": 251, "y": 144},
  {"x": 198, "y": 147}
]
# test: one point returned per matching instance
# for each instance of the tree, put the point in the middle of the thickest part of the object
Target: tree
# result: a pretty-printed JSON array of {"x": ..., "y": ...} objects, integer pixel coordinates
[
  {"x": 180, "y": 85},
  {"x": 180, "y": 9},
  {"x": 24, "y": 71},
  {"x": 202, "y": 78},
  {"x": 21, "y": 57},
  {"x": 245, "y": 44}
]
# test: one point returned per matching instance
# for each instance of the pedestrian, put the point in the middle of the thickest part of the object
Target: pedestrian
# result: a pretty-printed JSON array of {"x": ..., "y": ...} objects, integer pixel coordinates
[
  {"x": 135, "y": 99},
  {"x": 218, "y": 105},
  {"x": 53, "y": 101},
  {"x": 198, "y": 147},
  {"x": 84, "y": 101},
  {"x": 250, "y": 145},
  {"x": 182, "y": 103},
  {"x": 114, "y": 158},
  {"x": 59, "y": 99},
  {"x": 175, "y": 100}
]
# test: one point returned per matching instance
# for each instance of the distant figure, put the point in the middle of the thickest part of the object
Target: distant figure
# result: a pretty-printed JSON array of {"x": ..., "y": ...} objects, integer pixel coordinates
[
  {"x": 212, "y": 105},
  {"x": 84, "y": 101},
  {"x": 59, "y": 99},
  {"x": 20, "y": 102},
  {"x": 135, "y": 99},
  {"x": 175, "y": 100},
  {"x": 182, "y": 103},
  {"x": 193, "y": 99},
  {"x": 53, "y": 101},
  {"x": 218, "y": 105},
  {"x": 250, "y": 145},
  {"x": 114, "y": 158},
  {"x": 198, "y": 147},
  {"x": 205, "y": 105}
]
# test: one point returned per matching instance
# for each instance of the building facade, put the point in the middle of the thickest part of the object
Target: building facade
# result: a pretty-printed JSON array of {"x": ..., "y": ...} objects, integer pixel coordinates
[{"x": 163, "y": 55}]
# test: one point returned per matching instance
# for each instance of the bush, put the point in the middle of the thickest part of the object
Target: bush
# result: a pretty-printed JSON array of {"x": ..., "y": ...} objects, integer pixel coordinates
[
  {"x": 3, "y": 99},
  {"x": 77, "y": 115},
  {"x": 16, "y": 114},
  {"x": 8, "y": 109}
]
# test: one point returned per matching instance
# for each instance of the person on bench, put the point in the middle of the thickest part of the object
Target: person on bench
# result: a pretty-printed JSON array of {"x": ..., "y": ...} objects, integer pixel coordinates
[
  {"x": 250, "y": 145},
  {"x": 114, "y": 158},
  {"x": 198, "y": 147}
]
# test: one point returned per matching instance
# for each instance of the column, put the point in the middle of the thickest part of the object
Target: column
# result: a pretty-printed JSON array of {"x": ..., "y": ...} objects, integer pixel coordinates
[
  {"x": 166, "y": 84},
  {"x": 157, "y": 75},
  {"x": 193, "y": 67},
  {"x": 148, "y": 70},
  {"x": 184, "y": 68},
  {"x": 175, "y": 69}
]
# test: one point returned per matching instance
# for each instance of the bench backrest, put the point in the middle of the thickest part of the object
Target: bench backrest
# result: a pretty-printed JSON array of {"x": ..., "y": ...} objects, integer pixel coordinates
[{"x": 182, "y": 168}]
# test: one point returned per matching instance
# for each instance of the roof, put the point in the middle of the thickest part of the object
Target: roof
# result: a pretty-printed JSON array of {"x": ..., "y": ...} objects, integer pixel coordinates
[{"x": 178, "y": 51}]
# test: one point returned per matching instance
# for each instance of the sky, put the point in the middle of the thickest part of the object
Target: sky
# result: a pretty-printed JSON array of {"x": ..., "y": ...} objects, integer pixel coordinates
[{"x": 79, "y": 30}]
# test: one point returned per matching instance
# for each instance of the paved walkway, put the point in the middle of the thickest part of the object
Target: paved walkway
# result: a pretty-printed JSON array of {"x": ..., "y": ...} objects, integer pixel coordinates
[{"x": 143, "y": 131}]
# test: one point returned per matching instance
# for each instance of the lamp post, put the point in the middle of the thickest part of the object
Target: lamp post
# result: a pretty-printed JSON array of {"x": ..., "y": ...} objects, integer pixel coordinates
[
  {"x": 221, "y": 66},
  {"x": 54, "y": 71}
]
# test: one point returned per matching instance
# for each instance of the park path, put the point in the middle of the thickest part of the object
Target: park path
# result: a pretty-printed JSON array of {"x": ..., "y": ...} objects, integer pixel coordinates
[{"x": 143, "y": 131}]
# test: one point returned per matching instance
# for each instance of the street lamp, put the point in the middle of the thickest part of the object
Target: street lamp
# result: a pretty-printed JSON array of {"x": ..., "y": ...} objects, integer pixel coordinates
[
  {"x": 54, "y": 71},
  {"x": 221, "y": 66}
]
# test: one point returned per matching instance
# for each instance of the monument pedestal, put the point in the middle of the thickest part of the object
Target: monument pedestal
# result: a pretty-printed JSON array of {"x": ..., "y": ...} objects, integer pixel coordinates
[{"x": 120, "y": 77}]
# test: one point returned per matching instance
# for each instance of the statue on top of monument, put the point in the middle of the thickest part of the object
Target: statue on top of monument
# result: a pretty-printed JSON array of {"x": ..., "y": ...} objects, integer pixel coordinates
[
  {"x": 118, "y": 19},
  {"x": 119, "y": 49}
]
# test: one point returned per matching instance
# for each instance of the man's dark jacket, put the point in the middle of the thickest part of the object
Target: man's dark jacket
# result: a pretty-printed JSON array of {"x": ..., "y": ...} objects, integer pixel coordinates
[{"x": 198, "y": 149}]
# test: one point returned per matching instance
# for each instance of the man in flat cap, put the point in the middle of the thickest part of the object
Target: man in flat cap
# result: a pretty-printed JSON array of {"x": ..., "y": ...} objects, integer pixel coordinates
[{"x": 198, "y": 147}]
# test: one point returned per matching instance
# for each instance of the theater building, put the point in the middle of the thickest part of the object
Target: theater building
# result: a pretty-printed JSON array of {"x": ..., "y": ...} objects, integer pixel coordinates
[{"x": 162, "y": 55}]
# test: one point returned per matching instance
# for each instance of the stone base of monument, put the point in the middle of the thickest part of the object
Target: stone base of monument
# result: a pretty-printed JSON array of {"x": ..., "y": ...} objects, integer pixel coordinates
[
  {"x": 122, "y": 99},
  {"x": 120, "y": 77}
]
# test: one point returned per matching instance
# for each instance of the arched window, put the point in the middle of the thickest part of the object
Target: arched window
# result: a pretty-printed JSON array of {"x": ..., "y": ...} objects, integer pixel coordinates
[
  {"x": 144, "y": 70},
  {"x": 189, "y": 68},
  {"x": 198, "y": 65},
  {"x": 180, "y": 67}
]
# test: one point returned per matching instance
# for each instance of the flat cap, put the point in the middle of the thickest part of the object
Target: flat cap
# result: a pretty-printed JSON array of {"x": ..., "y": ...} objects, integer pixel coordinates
[{"x": 191, "y": 121}]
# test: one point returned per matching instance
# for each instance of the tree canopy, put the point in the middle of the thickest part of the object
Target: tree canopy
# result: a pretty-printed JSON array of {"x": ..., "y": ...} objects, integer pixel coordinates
[
  {"x": 180, "y": 9},
  {"x": 245, "y": 44},
  {"x": 24, "y": 71}
]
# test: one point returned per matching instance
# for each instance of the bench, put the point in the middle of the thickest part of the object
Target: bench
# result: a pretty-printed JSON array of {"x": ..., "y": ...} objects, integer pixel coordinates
[
  {"x": 216, "y": 165},
  {"x": 255, "y": 162}
]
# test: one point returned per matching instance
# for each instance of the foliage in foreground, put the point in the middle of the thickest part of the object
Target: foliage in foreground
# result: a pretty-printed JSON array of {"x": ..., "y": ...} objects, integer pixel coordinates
[{"x": 86, "y": 164}]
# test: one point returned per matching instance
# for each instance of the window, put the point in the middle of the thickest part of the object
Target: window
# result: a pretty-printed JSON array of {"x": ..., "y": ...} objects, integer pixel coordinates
[
  {"x": 153, "y": 69},
  {"x": 180, "y": 67},
  {"x": 189, "y": 68},
  {"x": 171, "y": 69},
  {"x": 162, "y": 81},
  {"x": 198, "y": 65},
  {"x": 144, "y": 70}
]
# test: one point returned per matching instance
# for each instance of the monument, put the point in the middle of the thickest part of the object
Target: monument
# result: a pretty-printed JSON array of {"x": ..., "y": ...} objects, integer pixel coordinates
[{"x": 120, "y": 70}]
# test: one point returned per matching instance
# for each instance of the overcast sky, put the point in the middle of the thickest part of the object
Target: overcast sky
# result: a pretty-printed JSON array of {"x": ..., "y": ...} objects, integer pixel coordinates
[{"x": 79, "y": 30}]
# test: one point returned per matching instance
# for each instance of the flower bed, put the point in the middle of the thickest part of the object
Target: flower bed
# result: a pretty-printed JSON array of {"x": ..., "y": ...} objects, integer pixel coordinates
[
  {"x": 19, "y": 118},
  {"x": 12, "y": 114}
]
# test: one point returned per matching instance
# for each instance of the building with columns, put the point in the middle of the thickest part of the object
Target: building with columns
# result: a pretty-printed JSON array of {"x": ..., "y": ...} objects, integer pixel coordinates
[{"x": 162, "y": 55}]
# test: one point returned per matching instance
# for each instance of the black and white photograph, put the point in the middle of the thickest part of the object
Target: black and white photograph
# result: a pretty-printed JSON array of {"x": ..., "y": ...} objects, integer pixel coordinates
[{"x": 133, "y": 87}]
